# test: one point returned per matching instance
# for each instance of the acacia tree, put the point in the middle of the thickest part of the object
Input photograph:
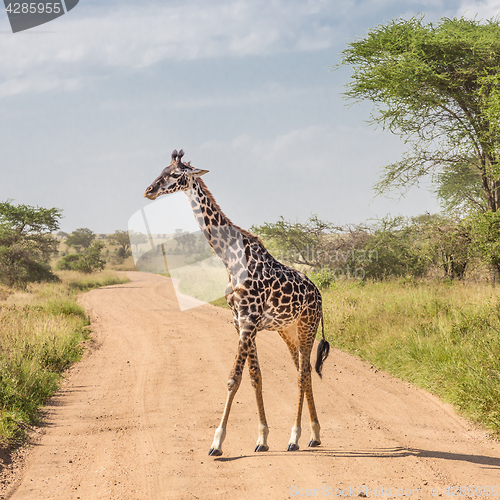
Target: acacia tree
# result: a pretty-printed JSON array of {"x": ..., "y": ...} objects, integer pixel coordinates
[
  {"x": 438, "y": 87},
  {"x": 459, "y": 188},
  {"x": 136, "y": 239},
  {"x": 296, "y": 242},
  {"x": 26, "y": 243},
  {"x": 120, "y": 238},
  {"x": 82, "y": 237}
]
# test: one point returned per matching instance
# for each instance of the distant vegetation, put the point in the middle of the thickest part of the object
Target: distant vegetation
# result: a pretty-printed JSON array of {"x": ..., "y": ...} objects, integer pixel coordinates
[
  {"x": 88, "y": 261},
  {"x": 80, "y": 239},
  {"x": 427, "y": 246},
  {"x": 92, "y": 254},
  {"x": 30, "y": 247}
]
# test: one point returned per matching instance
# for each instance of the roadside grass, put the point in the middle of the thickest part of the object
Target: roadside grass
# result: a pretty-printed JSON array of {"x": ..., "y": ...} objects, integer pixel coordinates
[
  {"x": 220, "y": 302},
  {"x": 203, "y": 281},
  {"x": 42, "y": 332},
  {"x": 443, "y": 337}
]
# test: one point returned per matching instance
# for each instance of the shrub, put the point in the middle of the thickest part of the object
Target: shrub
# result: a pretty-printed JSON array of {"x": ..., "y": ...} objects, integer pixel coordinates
[
  {"x": 88, "y": 261},
  {"x": 485, "y": 229},
  {"x": 67, "y": 262},
  {"x": 322, "y": 279}
]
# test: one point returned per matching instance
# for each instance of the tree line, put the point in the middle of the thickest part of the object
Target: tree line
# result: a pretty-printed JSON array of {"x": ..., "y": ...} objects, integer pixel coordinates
[{"x": 429, "y": 245}]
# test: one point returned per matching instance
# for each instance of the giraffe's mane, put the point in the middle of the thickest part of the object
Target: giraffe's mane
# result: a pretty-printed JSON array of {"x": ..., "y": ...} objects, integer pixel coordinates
[{"x": 216, "y": 205}]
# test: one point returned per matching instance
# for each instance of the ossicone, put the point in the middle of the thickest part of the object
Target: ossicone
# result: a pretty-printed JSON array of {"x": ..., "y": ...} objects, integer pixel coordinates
[{"x": 177, "y": 156}]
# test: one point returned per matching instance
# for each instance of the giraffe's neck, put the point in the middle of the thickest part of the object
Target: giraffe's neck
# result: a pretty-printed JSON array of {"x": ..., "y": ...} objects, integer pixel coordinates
[
  {"x": 226, "y": 239},
  {"x": 208, "y": 214}
]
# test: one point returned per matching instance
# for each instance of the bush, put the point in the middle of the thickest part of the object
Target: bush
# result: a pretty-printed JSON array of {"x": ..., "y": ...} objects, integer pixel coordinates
[
  {"x": 485, "y": 229},
  {"x": 91, "y": 260},
  {"x": 322, "y": 279},
  {"x": 88, "y": 261},
  {"x": 67, "y": 262}
]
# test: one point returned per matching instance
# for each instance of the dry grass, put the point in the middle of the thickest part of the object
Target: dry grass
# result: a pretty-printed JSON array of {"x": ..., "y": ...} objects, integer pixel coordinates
[{"x": 42, "y": 331}]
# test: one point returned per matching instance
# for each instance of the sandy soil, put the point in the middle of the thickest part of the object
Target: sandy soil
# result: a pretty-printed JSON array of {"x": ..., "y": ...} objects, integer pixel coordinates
[{"x": 135, "y": 418}]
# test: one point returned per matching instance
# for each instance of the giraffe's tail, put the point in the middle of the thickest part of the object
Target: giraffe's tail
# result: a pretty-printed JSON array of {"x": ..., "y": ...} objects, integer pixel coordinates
[{"x": 323, "y": 350}]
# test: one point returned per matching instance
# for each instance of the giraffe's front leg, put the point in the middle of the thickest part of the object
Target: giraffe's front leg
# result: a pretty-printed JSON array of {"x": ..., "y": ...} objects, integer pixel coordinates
[
  {"x": 256, "y": 380},
  {"x": 232, "y": 387},
  {"x": 220, "y": 433}
]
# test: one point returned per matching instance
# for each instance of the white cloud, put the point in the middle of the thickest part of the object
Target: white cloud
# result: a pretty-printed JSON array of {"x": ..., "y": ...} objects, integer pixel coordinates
[
  {"x": 42, "y": 83},
  {"x": 88, "y": 43},
  {"x": 483, "y": 9}
]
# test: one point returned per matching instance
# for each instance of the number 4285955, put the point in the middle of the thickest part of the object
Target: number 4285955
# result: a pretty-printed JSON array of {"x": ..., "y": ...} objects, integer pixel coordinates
[{"x": 34, "y": 8}]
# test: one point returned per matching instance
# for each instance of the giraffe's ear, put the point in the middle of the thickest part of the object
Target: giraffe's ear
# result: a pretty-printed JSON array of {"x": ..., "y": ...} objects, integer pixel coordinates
[{"x": 198, "y": 172}]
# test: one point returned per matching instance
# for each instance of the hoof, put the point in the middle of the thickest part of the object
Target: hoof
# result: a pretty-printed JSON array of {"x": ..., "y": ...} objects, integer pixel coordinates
[
  {"x": 215, "y": 452},
  {"x": 313, "y": 443},
  {"x": 292, "y": 447},
  {"x": 261, "y": 447}
]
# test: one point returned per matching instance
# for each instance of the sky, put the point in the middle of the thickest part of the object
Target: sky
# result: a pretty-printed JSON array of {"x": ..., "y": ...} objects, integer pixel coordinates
[{"x": 93, "y": 103}]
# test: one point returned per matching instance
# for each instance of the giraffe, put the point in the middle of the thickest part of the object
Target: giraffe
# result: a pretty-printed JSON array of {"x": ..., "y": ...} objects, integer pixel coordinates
[{"x": 262, "y": 293}]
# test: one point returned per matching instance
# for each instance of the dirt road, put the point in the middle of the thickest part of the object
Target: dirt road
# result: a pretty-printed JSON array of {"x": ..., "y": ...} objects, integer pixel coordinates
[{"x": 135, "y": 418}]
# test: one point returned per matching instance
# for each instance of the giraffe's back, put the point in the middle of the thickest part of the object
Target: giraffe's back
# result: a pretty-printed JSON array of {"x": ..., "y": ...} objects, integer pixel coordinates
[{"x": 274, "y": 295}]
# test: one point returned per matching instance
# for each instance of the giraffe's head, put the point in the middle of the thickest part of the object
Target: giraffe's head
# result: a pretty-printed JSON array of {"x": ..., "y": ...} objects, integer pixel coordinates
[{"x": 177, "y": 176}]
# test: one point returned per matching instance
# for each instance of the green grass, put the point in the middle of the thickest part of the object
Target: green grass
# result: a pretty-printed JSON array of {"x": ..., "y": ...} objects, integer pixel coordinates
[
  {"x": 42, "y": 332},
  {"x": 221, "y": 302},
  {"x": 443, "y": 337},
  {"x": 88, "y": 283}
]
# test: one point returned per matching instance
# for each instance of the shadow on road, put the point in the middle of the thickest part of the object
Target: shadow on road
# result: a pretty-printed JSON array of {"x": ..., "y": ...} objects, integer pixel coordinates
[{"x": 491, "y": 462}]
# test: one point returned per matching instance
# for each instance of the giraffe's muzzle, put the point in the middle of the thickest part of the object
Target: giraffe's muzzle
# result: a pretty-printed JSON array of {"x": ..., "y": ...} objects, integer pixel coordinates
[{"x": 151, "y": 192}]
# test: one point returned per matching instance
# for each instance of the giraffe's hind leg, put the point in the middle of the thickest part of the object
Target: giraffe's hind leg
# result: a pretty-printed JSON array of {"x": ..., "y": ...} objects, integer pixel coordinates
[
  {"x": 290, "y": 337},
  {"x": 306, "y": 332},
  {"x": 292, "y": 342}
]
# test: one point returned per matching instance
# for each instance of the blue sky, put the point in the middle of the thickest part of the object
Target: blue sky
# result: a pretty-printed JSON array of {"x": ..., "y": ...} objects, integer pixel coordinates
[{"x": 93, "y": 103}]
